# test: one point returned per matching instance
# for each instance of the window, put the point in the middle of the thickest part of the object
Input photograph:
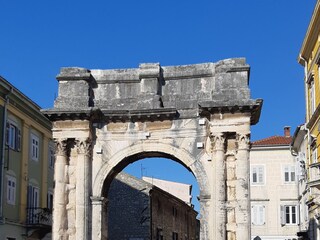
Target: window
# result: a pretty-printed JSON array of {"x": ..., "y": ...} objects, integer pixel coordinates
[
  {"x": 175, "y": 236},
  {"x": 13, "y": 136},
  {"x": 289, "y": 215},
  {"x": 314, "y": 154},
  {"x": 34, "y": 147},
  {"x": 258, "y": 214},
  {"x": 257, "y": 175},
  {"x": 289, "y": 174},
  {"x": 159, "y": 234},
  {"x": 33, "y": 197},
  {"x": 50, "y": 200},
  {"x": 174, "y": 211},
  {"x": 51, "y": 158},
  {"x": 11, "y": 190},
  {"x": 312, "y": 102}
]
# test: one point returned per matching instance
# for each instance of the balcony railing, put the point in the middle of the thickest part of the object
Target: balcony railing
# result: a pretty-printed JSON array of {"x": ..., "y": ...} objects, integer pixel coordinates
[{"x": 39, "y": 216}]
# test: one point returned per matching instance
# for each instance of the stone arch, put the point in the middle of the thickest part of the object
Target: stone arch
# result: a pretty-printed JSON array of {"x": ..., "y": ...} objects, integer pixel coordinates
[
  {"x": 150, "y": 149},
  {"x": 199, "y": 115}
]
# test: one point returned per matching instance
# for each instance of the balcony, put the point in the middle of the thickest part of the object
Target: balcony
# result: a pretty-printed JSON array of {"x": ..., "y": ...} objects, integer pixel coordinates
[
  {"x": 38, "y": 217},
  {"x": 314, "y": 175}
]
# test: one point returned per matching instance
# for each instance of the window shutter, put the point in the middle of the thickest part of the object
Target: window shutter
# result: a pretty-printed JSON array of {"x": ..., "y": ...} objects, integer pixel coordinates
[
  {"x": 262, "y": 215},
  {"x": 7, "y": 133},
  {"x": 261, "y": 177},
  {"x": 293, "y": 173},
  {"x": 253, "y": 215},
  {"x": 282, "y": 215},
  {"x": 298, "y": 213},
  {"x": 30, "y": 197},
  {"x": 18, "y": 139}
]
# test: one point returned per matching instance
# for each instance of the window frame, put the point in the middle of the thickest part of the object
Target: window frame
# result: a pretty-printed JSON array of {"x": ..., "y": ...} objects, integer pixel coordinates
[
  {"x": 51, "y": 157},
  {"x": 312, "y": 97},
  {"x": 291, "y": 169},
  {"x": 254, "y": 169},
  {"x": 258, "y": 214},
  {"x": 11, "y": 190},
  {"x": 35, "y": 147},
  {"x": 284, "y": 214},
  {"x": 33, "y": 196},
  {"x": 314, "y": 157},
  {"x": 13, "y": 136}
]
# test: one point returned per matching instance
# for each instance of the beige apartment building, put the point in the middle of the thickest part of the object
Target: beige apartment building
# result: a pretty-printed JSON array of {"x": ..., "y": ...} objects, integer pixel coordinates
[{"x": 274, "y": 191}]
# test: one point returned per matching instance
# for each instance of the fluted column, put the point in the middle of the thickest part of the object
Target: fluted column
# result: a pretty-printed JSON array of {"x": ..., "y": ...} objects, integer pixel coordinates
[
  {"x": 219, "y": 186},
  {"x": 99, "y": 218},
  {"x": 243, "y": 187},
  {"x": 83, "y": 184},
  {"x": 59, "y": 203}
]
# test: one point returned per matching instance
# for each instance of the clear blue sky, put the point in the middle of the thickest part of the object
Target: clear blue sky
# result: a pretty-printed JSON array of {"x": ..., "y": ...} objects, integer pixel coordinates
[{"x": 38, "y": 37}]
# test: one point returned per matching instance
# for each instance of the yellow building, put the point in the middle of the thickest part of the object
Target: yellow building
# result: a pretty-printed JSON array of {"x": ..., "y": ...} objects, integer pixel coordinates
[
  {"x": 307, "y": 135},
  {"x": 26, "y": 173}
]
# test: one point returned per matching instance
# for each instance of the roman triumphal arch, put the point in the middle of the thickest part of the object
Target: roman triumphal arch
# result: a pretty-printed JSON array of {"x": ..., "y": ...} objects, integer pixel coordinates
[{"x": 199, "y": 115}]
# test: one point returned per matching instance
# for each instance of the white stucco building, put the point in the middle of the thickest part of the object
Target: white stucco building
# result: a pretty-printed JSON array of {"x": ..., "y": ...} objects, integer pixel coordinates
[
  {"x": 274, "y": 189},
  {"x": 179, "y": 190}
]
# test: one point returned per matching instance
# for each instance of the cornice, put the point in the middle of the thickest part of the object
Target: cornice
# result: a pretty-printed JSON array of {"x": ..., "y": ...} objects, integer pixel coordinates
[{"x": 311, "y": 35}]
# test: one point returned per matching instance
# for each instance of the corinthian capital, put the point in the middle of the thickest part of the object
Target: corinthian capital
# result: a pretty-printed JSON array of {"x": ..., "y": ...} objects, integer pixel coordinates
[
  {"x": 243, "y": 141},
  {"x": 61, "y": 146},
  {"x": 83, "y": 146},
  {"x": 218, "y": 141}
]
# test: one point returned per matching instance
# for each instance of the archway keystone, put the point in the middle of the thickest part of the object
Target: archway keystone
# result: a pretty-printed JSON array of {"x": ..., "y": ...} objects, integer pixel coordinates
[{"x": 198, "y": 115}]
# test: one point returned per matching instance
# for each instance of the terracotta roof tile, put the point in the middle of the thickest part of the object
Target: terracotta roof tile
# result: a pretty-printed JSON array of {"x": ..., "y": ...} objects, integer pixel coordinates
[{"x": 274, "y": 140}]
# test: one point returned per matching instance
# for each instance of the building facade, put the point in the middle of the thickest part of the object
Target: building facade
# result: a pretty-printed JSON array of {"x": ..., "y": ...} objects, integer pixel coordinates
[
  {"x": 274, "y": 196},
  {"x": 27, "y": 161},
  {"x": 138, "y": 210},
  {"x": 180, "y": 190},
  {"x": 307, "y": 139}
]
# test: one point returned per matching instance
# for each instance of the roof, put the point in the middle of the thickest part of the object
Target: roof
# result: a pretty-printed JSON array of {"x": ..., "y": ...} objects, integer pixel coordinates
[
  {"x": 311, "y": 35},
  {"x": 273, "y": 141}
]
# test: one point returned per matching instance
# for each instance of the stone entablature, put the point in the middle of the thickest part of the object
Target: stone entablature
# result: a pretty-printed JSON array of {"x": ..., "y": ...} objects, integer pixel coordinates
[
  {"x": 198, "y": 115},
  {"x": 153, "y": 91}
]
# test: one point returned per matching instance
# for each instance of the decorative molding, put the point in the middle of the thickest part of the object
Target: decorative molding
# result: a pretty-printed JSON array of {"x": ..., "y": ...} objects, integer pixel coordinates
[
  {"x": 61, "y": 147},
  {"x": 84, "y": 146},
  {"x": 243, "y": 141},
  {"x": 218, "y": 141},
  {"x": 95, "y": 200}
]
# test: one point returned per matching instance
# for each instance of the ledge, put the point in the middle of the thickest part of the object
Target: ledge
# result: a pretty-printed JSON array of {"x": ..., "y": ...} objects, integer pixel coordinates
[{"x": 97, "y": 114}]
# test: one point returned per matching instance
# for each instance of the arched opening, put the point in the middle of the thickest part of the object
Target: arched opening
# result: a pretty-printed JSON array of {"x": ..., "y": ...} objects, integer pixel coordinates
[
  {"x": 152, "y": 199},
  {"x": 156, "y": 206}
]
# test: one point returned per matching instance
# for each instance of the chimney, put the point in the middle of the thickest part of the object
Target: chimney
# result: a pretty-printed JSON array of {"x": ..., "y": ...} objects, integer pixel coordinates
[{"x": 287, "y": 131}]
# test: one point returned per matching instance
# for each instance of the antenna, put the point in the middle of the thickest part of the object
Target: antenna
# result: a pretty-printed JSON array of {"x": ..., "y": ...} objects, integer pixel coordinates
[{"x": 141, "y": 170}]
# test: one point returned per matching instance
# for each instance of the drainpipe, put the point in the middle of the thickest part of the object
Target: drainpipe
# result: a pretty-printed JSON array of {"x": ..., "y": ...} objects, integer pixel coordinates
[
  {"x": 4, "y": 118},
  {"x": 305, "y": 82}
]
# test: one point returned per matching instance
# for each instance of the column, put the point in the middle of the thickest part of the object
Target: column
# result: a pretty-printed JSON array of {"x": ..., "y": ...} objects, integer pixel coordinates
[
  {"x": 59, "y": 202},
  {"x": 243, "y": 217},
  {"x": 99, "y": 218},
  {"x": 83, "y": 184},
  {"x": 219, "y": 186}
]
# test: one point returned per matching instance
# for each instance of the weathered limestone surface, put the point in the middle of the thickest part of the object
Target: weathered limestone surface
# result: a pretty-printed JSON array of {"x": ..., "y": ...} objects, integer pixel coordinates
[{"x": 198, "y": 115}]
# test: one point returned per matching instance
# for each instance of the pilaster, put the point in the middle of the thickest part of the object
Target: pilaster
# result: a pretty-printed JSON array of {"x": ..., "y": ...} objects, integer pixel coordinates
[
  {"x": 218, "y": 141},
  {"x": 83, "y": 185},
  {"x": 99, "y": 218},
  {"x": 242, "y": 186},
  {"x": 59, "y": 225}
]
